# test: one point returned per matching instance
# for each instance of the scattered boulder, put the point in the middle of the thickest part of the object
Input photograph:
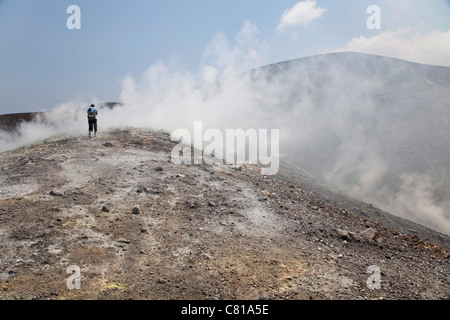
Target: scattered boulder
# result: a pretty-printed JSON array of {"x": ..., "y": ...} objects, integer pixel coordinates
[
  {"x": 344, "y": 234},
  {"x": 108, "y": 145},
  {"x": 369, "y": 234},
  {"x": 55, "y": 194},
  {"x": 105, "y": 209},
  {"x": 158, "y": 169}
]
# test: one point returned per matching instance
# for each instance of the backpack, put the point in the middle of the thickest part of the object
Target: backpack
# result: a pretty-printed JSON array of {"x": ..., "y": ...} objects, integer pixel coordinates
[{"x": 91, "y": 114}]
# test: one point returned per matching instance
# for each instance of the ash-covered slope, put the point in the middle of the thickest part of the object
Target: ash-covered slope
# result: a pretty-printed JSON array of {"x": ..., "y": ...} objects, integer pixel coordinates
[{"x": 140, "y": 227}]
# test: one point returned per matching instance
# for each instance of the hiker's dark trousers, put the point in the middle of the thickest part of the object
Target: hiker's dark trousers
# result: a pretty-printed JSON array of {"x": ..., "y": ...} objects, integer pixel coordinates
[{"x": 93, "y": 125}]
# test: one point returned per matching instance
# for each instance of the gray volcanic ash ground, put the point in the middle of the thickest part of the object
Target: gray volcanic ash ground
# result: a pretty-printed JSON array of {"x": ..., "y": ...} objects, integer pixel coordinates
[{"x": 140, "y": 227}]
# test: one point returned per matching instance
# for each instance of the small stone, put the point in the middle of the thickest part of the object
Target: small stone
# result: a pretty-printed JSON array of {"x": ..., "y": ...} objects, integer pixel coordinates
[
  {"x": 136, "y": 210},
  {"x": 211, "y": 204},
  {"x": 105, "y": 209},
  {"x": 124, "y": 241},
  {"x": 4, "y": 276},
  {"x": 158, "y": 169},
  {"x": 55, "y": 194},
  {"x": 108, "y": 145}
]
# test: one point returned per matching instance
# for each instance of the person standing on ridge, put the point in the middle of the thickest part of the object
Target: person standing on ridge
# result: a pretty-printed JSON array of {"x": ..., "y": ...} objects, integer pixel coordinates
[{"x": 92, "y": 119}]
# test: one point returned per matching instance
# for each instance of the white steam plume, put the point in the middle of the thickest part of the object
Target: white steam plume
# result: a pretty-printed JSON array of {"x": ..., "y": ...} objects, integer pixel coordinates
[{"x": 321, "y": 118}]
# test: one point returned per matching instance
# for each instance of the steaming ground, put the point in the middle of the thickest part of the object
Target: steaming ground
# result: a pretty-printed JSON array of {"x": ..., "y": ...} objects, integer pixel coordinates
[
  {"x": 372, "y": 127},
  {"x": 140, "y": 227}
]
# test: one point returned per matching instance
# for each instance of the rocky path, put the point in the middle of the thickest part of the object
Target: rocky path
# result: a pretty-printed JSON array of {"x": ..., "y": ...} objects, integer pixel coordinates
[{"x": 140, "y": 227}]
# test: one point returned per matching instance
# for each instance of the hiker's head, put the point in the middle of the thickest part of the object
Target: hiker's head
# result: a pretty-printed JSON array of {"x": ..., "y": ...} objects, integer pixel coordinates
[{"x": 92, "y": 106}]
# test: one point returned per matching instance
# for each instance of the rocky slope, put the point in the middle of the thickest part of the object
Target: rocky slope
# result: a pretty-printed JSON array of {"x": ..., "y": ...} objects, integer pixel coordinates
[
  {"x": 140, "y": 227},
  {"x": 294, "y": 174}
]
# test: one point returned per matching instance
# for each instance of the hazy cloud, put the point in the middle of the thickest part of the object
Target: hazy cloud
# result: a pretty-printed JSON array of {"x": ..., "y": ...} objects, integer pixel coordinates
[
  {"x": 416, "y": 201},
  {"x": 302, "y": 12},
  {"x": 222, "y": 56},
  {"x": 408, "y": 44}
]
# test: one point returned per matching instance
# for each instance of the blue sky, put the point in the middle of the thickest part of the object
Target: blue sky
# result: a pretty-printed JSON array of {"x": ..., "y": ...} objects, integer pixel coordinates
[{"x": 43, "y": 63}]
